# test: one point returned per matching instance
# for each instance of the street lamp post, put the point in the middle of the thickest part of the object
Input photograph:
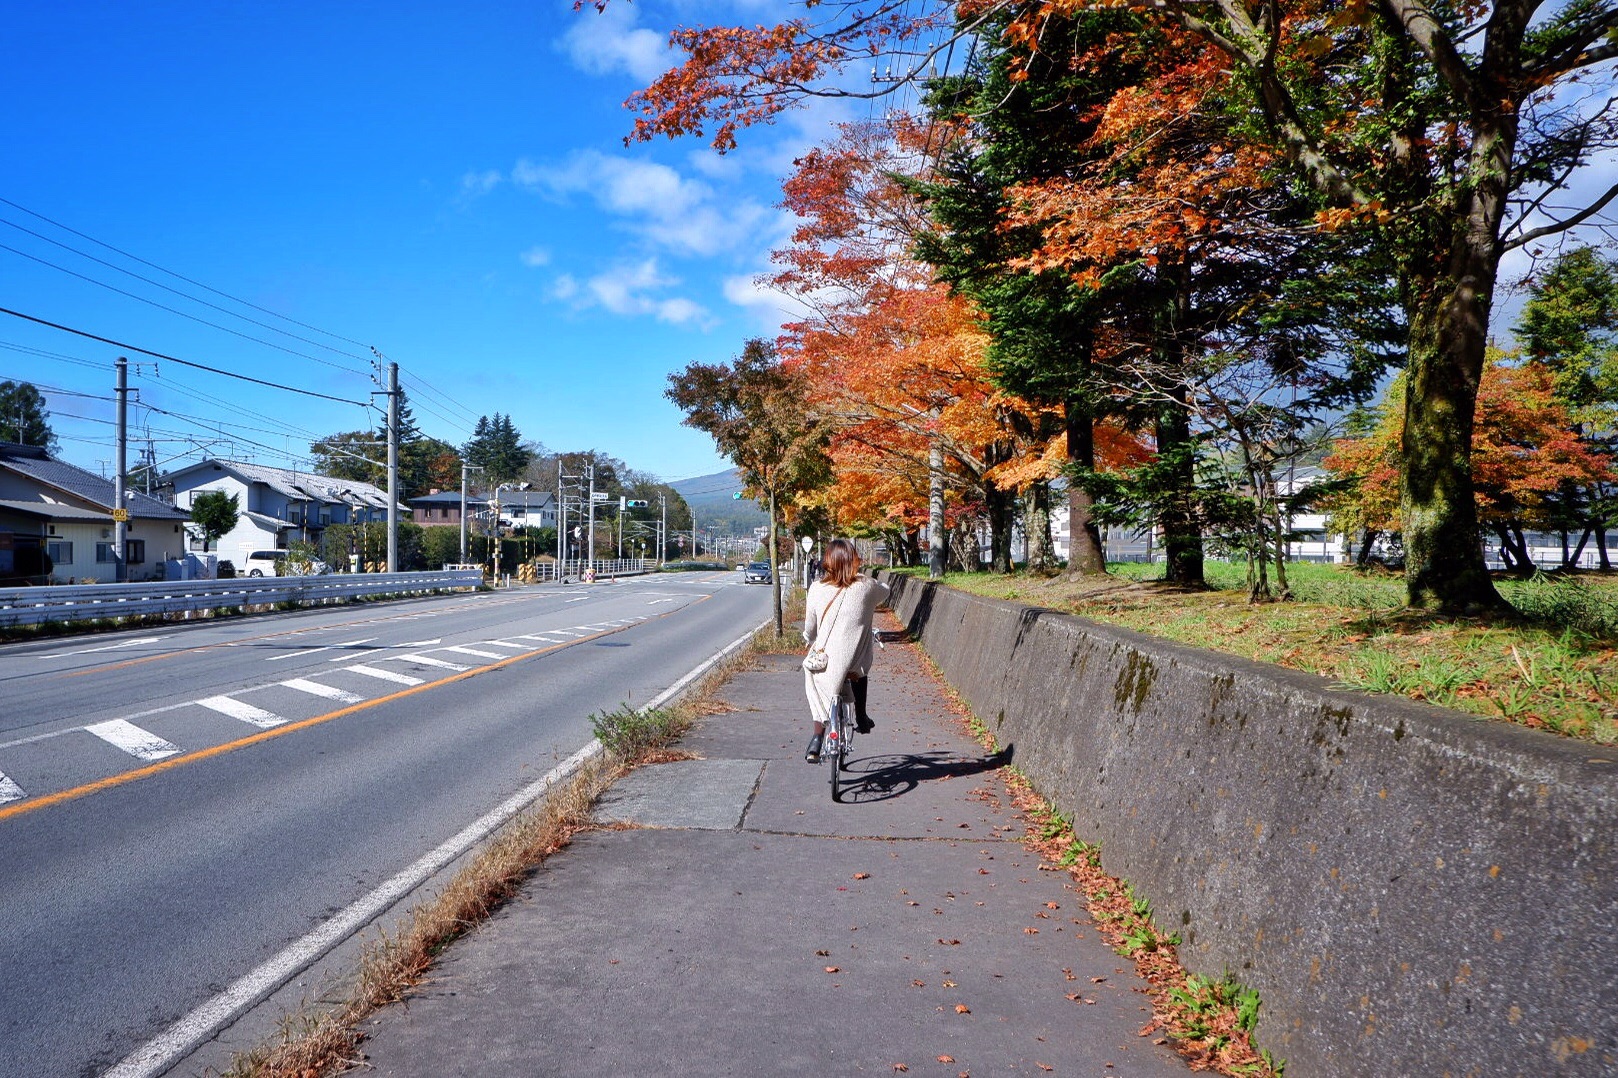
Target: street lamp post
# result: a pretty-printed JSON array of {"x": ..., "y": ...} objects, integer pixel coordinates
[{"x": 464, "y": 469}]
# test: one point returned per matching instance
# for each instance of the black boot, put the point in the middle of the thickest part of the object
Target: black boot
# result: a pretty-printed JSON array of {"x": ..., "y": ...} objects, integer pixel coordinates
[
  {"x": 862, "y": 722},
  {"x": 812, "y": 754}
]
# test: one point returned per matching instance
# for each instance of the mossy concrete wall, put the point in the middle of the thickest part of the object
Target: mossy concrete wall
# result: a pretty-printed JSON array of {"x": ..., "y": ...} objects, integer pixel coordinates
[{"x": 1413, "y": 891}]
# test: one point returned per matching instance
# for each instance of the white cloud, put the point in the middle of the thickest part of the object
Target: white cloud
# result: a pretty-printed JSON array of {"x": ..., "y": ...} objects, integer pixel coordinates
[
  {"x": 652, "y": 200},
  {"x": 535, "y": 256},
  {"x": 770, "y": 307},
  {"x": 474, "y": 184},
  {"x": 611, "y": 42},
  {"x": 635, "y": 289}
]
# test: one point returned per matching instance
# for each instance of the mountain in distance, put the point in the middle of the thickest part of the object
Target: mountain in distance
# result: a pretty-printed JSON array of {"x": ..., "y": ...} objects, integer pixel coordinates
[{"x": 713, "y": 499}]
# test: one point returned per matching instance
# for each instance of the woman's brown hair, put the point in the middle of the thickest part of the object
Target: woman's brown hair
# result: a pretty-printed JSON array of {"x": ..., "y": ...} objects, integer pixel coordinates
[{"x": 841, "y": 563}]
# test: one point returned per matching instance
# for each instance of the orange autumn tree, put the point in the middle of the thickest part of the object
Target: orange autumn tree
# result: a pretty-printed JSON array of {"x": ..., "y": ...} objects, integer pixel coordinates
[
  {"x": 894, "y": 359},
  {"x": 1524, "y": 449}
]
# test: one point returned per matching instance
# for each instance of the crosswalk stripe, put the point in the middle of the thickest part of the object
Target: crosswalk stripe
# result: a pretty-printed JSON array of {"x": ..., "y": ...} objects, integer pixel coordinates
[
  {"x": 474, "y": 651},
  {"x": 506, "y": 644},
  {"x": 427, "y": 660},
  {"x": 10, "y": 791},
  {"x": 236, "y": 709},
  {"x": 330, "y": 692},
  {"x": 384, "y": 675},
  {"x": 125, "y": 735},
  {"x": 541, "y": 637}
]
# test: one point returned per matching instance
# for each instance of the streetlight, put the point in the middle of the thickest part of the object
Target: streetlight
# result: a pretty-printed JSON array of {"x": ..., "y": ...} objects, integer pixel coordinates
[{"x": 465, "y": 467}]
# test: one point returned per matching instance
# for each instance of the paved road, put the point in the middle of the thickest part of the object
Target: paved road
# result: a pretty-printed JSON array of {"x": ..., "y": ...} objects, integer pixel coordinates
[{"x": 181, "y": 804}]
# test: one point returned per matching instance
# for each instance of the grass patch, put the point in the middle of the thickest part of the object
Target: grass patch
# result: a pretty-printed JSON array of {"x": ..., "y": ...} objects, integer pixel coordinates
[
  {"x": 321, "y": 1040},
  {"x": 1553, "y": 667}
]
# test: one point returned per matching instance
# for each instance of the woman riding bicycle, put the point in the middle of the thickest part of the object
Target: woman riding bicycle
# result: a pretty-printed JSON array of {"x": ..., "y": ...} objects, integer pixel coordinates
[{"x": 837, "y": 620}]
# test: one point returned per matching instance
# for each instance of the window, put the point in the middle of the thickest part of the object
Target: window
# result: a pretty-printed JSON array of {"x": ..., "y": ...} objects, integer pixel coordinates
[
  {"x": 60, "y": 551},
  {"x": 135, "y": 551},
  {"x": 104, "y": 554}
]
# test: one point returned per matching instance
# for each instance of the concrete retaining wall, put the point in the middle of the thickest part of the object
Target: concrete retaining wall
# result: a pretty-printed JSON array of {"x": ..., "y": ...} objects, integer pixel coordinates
[{"x": 1412, "y": 890}]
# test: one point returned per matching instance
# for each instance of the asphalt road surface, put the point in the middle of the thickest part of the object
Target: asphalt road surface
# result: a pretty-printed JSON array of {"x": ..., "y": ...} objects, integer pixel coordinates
[{"x": 180, "y": 804}]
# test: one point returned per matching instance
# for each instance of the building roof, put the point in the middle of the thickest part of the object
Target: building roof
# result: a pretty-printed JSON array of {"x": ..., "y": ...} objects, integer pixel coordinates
[
  {"x": 58, "y": 479},
  {"x": 299, "y": 485}
]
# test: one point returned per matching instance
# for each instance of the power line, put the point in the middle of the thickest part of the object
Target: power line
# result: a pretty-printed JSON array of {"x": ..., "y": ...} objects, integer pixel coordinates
[
  {"x": 173, "y": 359},
  {"x": 177, "y": 292},
  {"x": 179, "y": 276},
  {"x": 174, "y": 310}
]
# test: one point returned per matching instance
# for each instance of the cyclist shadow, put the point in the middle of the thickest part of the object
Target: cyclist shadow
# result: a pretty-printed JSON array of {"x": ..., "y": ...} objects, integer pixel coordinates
[{"x": 881, "y": 778}]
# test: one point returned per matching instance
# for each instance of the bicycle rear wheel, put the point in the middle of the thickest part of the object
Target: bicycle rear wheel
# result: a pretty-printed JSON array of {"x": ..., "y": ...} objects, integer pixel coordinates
[{"x": 836, "y": 742}]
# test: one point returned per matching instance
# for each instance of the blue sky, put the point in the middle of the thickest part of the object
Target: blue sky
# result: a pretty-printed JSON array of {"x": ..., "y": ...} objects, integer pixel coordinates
[{"x": 444, "y": 183}]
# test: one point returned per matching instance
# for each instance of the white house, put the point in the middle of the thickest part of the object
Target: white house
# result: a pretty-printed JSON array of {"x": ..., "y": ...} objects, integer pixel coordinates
[
  {"x": 72, "y": 510},
  {"x": 278, "y": 505}
]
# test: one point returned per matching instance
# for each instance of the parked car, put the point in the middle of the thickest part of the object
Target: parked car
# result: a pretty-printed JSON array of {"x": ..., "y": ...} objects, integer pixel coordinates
[
  {"x": 757, "y": 572},
  {"x": 265, "y": 563}
]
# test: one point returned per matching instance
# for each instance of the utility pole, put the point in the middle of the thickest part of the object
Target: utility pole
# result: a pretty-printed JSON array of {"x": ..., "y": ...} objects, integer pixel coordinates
[
  {"x": 393, "y": 467},
  {"x": 662, "y": 529},
  {"x": 120, "y": 510},
  {"x": 465, "y": 467},
  {"x": 561, "y": 521},
  {"x": 591, "y": 470}
]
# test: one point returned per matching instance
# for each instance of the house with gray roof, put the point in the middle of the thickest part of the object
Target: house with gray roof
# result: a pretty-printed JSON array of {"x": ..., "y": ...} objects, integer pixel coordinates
[
  {"x": 70, "y": 509},
  {"x": 278, "y": 505}
]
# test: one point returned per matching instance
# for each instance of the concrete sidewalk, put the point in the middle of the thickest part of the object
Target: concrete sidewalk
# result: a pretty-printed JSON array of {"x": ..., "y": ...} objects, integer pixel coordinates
[{"x": 729, "y": 919}]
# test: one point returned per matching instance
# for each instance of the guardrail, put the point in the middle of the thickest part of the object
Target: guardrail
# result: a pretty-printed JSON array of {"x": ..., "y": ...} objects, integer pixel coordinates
[{"x": 96, "y": 602}]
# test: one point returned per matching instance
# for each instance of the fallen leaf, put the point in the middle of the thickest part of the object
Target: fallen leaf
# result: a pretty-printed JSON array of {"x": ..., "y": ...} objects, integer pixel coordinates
[
  {"x": 1052, "y": 906},
  {"x": 822, "y": 954},
  {"x": 862, "y": 875},
  {"x": 918, "y": 984},
  {"x": 833, "y": 969},
  {"x": 900, "y": 1067},
  {"x": 961, "y": 1008},
  {"x": 1043, "y": 1066},
  {"x": 950, "y": 984},
  {"x": 946, "y": 1059},
  {"x": 1098, "y": 980},
  {"x": 950, "y": 943},
  {"x": 1031, "y": 931}
]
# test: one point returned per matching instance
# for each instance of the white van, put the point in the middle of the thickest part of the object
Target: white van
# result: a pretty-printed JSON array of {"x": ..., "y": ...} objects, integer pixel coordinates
[{"x": 264, "y": 563}]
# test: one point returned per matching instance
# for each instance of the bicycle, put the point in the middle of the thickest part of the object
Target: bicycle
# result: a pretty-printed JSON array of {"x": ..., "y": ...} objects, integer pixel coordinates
[{"x": 838, "y": 738}]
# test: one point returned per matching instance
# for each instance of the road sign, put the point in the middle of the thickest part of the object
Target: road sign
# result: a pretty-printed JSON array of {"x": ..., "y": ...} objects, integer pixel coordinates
[
  {"x": 808, "y": 542},
  {"x": 120, "y": 515},
  {"x": 598, "y": 495}
]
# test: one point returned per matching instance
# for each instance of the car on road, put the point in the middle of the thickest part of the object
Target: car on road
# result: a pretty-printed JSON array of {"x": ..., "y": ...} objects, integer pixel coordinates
[{"x": 757, "y": 572}]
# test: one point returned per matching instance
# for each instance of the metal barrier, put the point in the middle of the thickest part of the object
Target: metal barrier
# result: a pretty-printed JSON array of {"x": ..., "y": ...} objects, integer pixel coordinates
[{"x": 95, "y": 602}]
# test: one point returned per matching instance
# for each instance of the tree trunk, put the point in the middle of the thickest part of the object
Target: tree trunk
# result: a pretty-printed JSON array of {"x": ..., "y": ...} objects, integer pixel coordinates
[
  {"x": 1448, "y": 302},
  {"x": 1182, "y": 541},
  {"x": 775, "y": 570},
  {"x": 1086, "y": 554},
  {"x": 1000, "y": 506},
  {"x": 936, "y": 552},
  {"x": 1037, "y": 528}
]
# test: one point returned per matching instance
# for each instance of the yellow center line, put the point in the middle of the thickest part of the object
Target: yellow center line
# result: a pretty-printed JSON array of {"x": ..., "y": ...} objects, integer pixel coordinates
[{"x": 46, "y": 800}]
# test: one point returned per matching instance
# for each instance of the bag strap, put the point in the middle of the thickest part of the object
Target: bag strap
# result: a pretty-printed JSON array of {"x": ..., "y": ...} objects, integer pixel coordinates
[{"x": 820, "y": 632}]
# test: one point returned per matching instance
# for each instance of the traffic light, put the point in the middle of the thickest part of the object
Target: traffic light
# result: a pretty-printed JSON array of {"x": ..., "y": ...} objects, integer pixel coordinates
[
  {"x": 736, "y": 497},
  {"x": 637, "y": 504}
]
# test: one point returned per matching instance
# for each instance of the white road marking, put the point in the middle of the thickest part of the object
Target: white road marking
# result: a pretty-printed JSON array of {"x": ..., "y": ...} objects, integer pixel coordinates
[
  {"x": 506, "y": 644},
  {"x": 236, "y": 709},
  {"x": 330, "y": 692},
  {"x": 419, "y": 643},
  {"x": 125, "y": 735},
  {"x": 473, "y": 651},
  {"x": 428, "y": 661},
  {"x": 383, "y": 675},
  {"x": 578, "y": 599},
  {"x": 564, "y": 632},
  {"x": 10, "y": 791},
  {"x": 541, "y": 637},
  {"x": 654, "y": 602},
  {"x": 92, "y": 651},
  {"x": 312, "y": 651}
]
